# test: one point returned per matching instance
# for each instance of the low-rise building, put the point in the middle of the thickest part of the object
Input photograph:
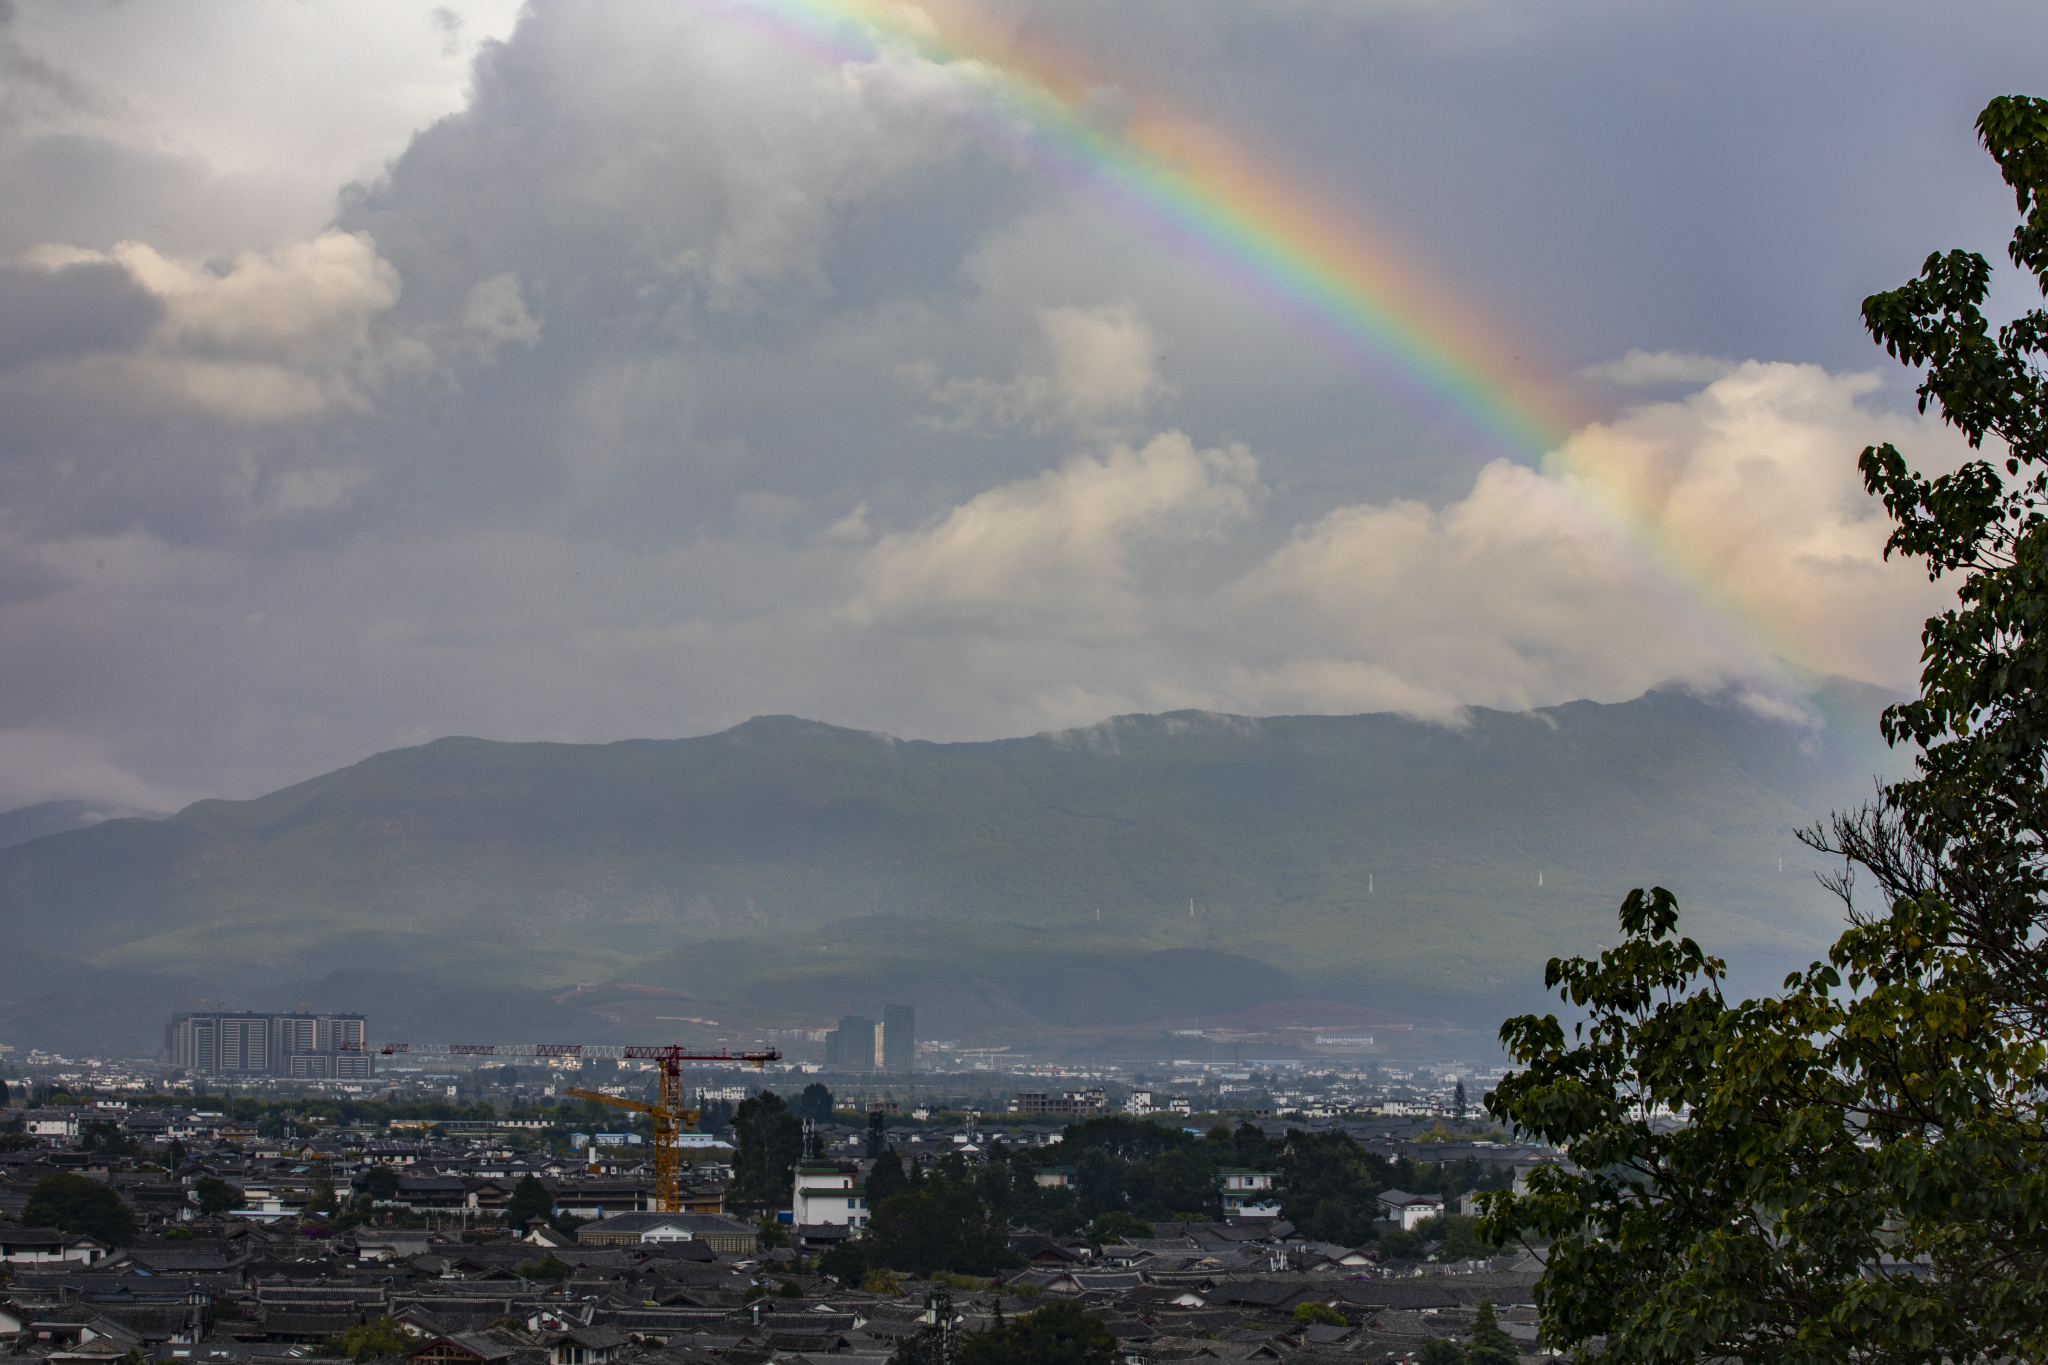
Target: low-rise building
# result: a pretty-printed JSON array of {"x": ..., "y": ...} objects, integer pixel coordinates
[
  {"x": 1248, "y": 1193},
  {"x": 828, "y": 1192},
  {"x": 727, "y": 1236},
  {"x": 1409, "y": 1209},
  {"x": 1075, "y": 1103},
  {"x": 47, "y": 1246}
]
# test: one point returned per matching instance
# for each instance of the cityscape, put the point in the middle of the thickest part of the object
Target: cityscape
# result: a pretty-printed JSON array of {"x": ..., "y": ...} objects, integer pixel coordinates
[{"x": 1017, "y": 682}]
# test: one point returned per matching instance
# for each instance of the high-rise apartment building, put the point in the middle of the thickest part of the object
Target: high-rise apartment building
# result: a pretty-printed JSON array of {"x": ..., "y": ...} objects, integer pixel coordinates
[
  {"x": 306, "y": 1046},
  {"x": 851, "y": 1047},
  {"x": 899, "y": 1039}
]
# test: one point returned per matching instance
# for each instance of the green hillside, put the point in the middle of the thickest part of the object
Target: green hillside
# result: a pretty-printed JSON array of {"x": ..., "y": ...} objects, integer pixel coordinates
[{"x": 809, "y": 868}]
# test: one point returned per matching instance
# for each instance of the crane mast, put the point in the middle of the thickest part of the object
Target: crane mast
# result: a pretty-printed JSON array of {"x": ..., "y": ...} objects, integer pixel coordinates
[{"x": 671, "y": 1120}]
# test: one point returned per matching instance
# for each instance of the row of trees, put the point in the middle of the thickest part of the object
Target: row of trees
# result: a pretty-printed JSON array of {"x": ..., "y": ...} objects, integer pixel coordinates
[
  {"x": 1125, "y": 1174},
  {"x": 1863, "y": 1175}
]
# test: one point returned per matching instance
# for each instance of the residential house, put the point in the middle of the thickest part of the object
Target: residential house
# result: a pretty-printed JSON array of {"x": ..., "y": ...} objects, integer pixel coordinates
[
  {"x": 1409, "y": 1209},
  {"x": 1248, "y": 1193},
  {"x": 47, "y": 1246},
  {"x": 828, "y": 1192}
]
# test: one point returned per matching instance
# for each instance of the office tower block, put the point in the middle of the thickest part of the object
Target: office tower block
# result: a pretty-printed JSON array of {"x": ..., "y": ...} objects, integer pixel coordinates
[
  {"x": 899, "y": 1039},
  {"x": 856, "y": 1043}
]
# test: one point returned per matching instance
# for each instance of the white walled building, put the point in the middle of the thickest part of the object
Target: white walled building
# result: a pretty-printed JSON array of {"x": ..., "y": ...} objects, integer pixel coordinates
[
  {"x": 1410, "y": 1209},
  {"x": 828, "y": 1193},
  {"x": 1249, "y": 1194}
]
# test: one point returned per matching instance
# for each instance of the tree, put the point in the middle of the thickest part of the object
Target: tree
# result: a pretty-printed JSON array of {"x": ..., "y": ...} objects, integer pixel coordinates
[
  {"x": 1489, "y": 1344},
  {"x": 770, "y": 1142},
  {"x": 1116, "y": 1225},
  {"x": 215, "y": 1195},
  {"x": 1458, "y": 1102},
  {"x": 530, "y": 1201},
  {"x": 378, "y": 1184},
  {"x": 105, "y": 1138},
  {"x": 1060, "y": 1333},
  {"x": 548, "y": 1267},
  {"x": 320, "y": 1195},
  {"x": 174, "y": 1155},
  {"x": 1317, "y": 1314},
  {"x": 846, "y": 1263},
  {"x": 1330, "y": 1186},
  {"x": 1860, "y": 1175},
  {"x": 75, "y": 1204},
  {"x": 878, "y": 1133},
  {"x": 1442, "y": 1351},
  {"x": 814, "y": 1104},
  {"x": 1254, "y": 1148},
  {"x": 885, "y": 1178},
  {"x": 367, "y": 1341},
  {"x": 938, "y": 1225}
]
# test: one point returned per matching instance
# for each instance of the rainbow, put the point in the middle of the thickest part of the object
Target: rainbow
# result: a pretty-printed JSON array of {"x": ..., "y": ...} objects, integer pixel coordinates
[{"x": 1188, "y": 184}]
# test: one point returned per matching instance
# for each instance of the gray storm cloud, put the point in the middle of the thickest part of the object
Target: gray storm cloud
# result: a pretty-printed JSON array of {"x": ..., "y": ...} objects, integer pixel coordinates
[{"x": 668, "y": 374}]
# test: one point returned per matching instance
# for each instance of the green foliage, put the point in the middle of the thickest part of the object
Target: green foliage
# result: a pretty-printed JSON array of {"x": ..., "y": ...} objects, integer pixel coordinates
[
  {"x": 790, "y": 1290},
  {"x": 846, "y": 1263},
  {"x": 1878, "y": 1112},
  {"x": 105, "y": 1138},
  {"x": 530, "y": 1202},
  {"x": 378, "y": 1183},
  {"x": 224, "y": 1308},
  {"x": 953, "y": 1281},
  {"x": 1330, "y": 1186},
  {"x": 885, "y": 1178},
  {"x": 1441, "y": 1351},
  {"x": 174, "y": 1154},
  {"x": 1972, "y": 824},
  {"x": 1860, "y": 1176},
  {"x": 1060, "y": 1333},
  {"x": 879, "y": 1281},
  {"x": 76, "y": 1204},
  {"x": 320, "y": 1195},
  {"x": 367, "y": 1341},
  {"x": 1404, "y": 1244},
  {"x": 176, "y": 1234},
  {"x": 769, "y": 1142},
  {"x": 939, "y": 1224},
  {"x": 1457, "y": 1235},
  {"x": 772, "y": 1233},
  {"x": 1117, "y": 1226},
  {"x": 1313, "y": 1314},
  {"x": 815, "y": 1103},
  {"x": 216, "y": 1196},
  {"x": 548, "y": 1267},
  {"x": 1489, "y": 1344}
]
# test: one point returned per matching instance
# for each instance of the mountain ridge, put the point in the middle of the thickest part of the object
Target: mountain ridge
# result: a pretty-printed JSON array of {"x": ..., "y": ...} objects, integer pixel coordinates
[{"x": 1371, "y": 859}]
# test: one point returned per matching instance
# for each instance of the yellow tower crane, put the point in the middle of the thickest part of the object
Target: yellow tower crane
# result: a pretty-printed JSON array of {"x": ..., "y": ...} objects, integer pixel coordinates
[{"x": 671, "y": 1120}]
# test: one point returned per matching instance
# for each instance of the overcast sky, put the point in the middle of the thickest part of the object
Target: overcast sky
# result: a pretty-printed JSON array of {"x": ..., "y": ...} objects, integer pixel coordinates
[{"x": 615, "y": 368}]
